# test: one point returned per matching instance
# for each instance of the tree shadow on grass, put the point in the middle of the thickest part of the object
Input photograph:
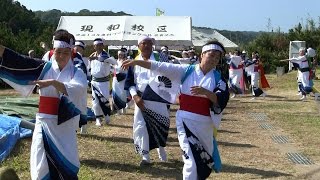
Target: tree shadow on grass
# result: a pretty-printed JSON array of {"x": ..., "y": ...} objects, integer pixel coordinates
[
  {"x": 102, "y": 138},
  {"x": 288, "y": 100},
  {"x": 275, "y": 97},
  {"x": 226, "y": 131},
  {"x": 221, "y": 143},
  {"x": 227, "y": 168},
  {"x": 225, "y": 119},
  {"x": 120, "y": 126},
  {"x": 171, "y": 169}
]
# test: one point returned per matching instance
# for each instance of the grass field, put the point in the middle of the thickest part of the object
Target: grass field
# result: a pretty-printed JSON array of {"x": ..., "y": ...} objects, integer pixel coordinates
[{"x": 247, "y": 151}]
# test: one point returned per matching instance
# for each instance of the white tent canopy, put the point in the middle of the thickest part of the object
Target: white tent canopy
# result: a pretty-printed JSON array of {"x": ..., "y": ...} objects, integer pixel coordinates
[
  {"x": 126, "y": 30},
  {"x": 200, "y": 36}
]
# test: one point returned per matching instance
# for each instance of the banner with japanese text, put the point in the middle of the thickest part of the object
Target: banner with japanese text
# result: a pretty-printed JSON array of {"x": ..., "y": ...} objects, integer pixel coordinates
[{"x": 126, "y": 30}]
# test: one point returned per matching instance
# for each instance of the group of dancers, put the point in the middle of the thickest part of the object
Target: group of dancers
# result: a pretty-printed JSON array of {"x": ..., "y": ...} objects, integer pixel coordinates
[
  {"x": 246, "y": 73},
  {"x": 151, "y": 82}
]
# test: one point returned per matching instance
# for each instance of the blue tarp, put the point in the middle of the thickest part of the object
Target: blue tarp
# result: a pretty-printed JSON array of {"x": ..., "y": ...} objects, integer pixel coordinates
[{"x": 10, "y": 133}]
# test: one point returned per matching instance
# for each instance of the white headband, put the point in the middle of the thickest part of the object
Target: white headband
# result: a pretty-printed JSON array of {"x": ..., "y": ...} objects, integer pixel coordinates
[
  {"x": 78, "y": 43},
  {"x": 212, "y": 47},
  {"x": 97, "y": 42},
  {"x": 61, "y": 44},
  {"x": 164, "y": 48},
  {"x": 121, "y": 52}
]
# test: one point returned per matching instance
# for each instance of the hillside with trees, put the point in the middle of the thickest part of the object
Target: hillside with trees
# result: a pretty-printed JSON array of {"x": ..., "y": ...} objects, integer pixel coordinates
[{"x": 52, "y": 16}]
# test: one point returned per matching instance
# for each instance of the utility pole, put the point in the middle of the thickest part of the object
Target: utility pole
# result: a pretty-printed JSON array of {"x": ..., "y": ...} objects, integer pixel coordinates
[{"x": 269, "y": 25}]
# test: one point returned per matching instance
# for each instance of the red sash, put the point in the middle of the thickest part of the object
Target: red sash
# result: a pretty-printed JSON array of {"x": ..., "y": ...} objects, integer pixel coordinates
[
  {"x": 49, "y": 105},
  {"x": 195, "y": 104}
]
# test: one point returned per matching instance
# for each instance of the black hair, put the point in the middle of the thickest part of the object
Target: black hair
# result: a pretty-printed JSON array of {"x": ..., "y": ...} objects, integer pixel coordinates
[
  {"x": 97, "y": 39},
  {"x": 124, "y": 49},
  {"x": 63, "y": 35}
]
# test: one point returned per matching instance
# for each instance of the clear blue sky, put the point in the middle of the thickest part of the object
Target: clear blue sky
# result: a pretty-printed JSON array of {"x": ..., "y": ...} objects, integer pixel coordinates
[{"x": 245, "y": 15}]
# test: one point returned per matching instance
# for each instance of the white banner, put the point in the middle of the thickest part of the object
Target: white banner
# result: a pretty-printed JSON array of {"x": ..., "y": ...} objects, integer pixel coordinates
[{"x": 125, "y": 30}]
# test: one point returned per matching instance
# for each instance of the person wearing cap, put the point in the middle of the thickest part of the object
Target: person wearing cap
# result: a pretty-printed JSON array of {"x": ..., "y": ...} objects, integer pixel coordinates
[
  {"x": 63, "y": 89},
  {"x": 302, "y": 64},
  {"x": 204, "y": 95},
  {"x": 100, "y": 63},
  {"x": 235, "y": 73},
  {"x": 119, "y": 95},
  {"x": 151, "y": 118}
]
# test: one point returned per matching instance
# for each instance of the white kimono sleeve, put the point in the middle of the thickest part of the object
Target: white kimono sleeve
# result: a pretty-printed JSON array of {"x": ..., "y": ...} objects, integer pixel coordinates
[
  {"x": 173, "y": 71},
  {"x": 77, "y": 90}
]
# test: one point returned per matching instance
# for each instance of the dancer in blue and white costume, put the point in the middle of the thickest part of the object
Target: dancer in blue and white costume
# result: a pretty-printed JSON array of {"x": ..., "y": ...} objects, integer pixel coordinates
[
  {"x": 301, "y": 63},
  {"x": 119, "y": 95},
  {"x": 151, "y": 117},
  {"x": 204, "y": 95},
  {"x": 100, "y": 63},
  {"x": 54, "y": 151}
]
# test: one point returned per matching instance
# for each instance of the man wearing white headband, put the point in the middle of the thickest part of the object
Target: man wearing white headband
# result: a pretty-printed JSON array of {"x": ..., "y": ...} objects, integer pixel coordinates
[
  {"x": 151, "y": 118},
  {"x": 100, "y": 63},
  {"x": 63, "y": 89},
  {"x": 204, "y": 95},
  {"x": 47, "y": 56},
  {"x": 82, "y": 63}
]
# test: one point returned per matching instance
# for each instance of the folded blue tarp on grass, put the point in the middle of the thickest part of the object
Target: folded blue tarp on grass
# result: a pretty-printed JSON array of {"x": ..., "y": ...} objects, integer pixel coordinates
[{"x": 10, "y": 133}]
